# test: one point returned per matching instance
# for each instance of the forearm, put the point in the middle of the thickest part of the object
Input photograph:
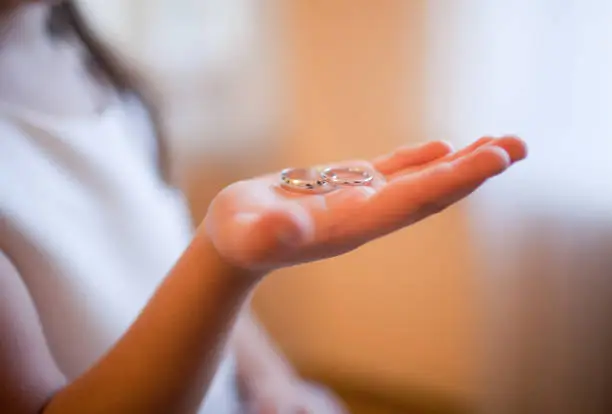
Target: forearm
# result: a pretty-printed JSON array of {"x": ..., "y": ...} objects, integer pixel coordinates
[{"x": 166, "y": 360}]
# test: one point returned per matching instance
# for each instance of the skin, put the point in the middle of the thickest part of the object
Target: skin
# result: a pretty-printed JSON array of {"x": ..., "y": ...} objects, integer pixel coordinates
[
  {"x": 28, "y": 58},
  {"x": 166, "y": 360},
  {"x": 210, "y": 284}
]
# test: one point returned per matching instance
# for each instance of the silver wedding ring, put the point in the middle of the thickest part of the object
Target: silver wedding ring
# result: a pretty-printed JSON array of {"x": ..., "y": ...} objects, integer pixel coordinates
[
  {"x": 305, "y": 180},
  {"x": 351, "y": 176},
  {"x": 322, "y": 180}
]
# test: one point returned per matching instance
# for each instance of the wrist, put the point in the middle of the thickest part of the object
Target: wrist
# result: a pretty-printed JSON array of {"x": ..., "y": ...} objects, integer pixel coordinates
[
  {"x": 229, "y": 256},
  {"x": 242, "y": 277}
]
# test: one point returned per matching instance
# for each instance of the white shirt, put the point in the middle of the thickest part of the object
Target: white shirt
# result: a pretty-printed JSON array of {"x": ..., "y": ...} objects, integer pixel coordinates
[{"x": 92, "y": 228}]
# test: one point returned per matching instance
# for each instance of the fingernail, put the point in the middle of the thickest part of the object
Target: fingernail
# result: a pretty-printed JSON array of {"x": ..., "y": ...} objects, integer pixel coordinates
[
  {"x": 501, "y": 152},
  {"x": 448, "y": 144}
]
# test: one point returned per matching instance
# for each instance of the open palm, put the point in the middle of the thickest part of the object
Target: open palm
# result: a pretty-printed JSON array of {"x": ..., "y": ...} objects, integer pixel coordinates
[{"x": 258, "y": 225}]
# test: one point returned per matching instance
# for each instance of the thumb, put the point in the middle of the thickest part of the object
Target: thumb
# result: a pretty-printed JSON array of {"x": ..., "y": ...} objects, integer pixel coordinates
[{"x": 266, "y": 235}]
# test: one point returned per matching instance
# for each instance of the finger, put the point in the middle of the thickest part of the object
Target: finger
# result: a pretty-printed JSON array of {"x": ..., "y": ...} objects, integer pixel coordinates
[
  {"x": 410, "y": 156},
  {"x": 448, "y": 158},
  {"x": 273, "y": 232},
  {"x": 435, "y": 188},
  {"x": 515, "y": 147},
  {"x": 469, "y": 149},
  {"x": 452, "y": 156},
  {"x": 446, "y": 178}
]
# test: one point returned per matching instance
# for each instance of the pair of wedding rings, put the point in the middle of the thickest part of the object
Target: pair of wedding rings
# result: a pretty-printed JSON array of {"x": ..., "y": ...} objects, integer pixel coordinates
[{"x": 317, "y": 181}]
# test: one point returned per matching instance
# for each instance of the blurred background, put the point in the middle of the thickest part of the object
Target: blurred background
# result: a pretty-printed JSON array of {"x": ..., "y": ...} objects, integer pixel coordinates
[{"x": 501, "y": 304}]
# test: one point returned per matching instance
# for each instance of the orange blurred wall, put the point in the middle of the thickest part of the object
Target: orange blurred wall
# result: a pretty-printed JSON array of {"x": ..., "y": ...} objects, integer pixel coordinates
[{"x": 400, "y": 311}]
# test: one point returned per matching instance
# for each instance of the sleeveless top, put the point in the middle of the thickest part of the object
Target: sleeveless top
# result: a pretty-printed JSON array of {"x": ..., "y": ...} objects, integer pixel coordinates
[{"x": 92, "y": 229}]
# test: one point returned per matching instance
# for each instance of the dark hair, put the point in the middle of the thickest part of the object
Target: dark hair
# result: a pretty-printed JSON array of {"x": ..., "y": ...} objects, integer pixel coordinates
[{"x": 67, "y": 19}]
